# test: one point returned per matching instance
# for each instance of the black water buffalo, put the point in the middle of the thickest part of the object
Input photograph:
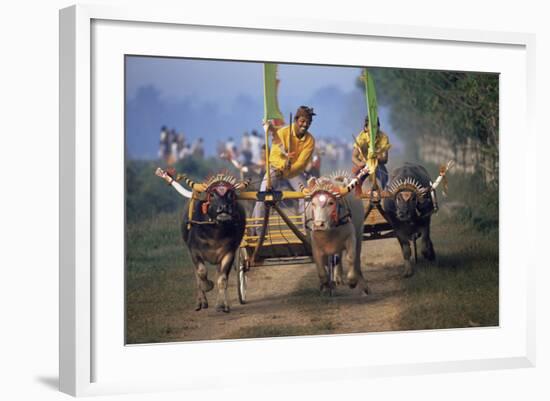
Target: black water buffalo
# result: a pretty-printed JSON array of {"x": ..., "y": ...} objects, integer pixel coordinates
[
  {"x": 409, "y": 209},
  {"x": 213, "y": 232}
]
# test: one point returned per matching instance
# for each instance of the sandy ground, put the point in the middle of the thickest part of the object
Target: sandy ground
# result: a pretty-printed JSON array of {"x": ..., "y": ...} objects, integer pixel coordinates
[{"x": 287, "y": 298}]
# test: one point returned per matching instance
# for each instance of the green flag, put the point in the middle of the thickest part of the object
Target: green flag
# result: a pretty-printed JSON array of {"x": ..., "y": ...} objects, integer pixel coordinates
[
  {"x": 372, "y": 108},
  {"x": 271, "y": 102}
]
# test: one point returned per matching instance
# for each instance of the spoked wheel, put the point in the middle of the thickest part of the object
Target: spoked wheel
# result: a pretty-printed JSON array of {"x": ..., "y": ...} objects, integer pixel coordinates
[{"x": 241, "y": 268}]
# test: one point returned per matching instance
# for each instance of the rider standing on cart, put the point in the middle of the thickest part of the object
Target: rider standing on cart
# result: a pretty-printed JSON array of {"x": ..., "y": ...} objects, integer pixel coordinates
[
  {"x": 361, "y": 152},
  {"x": 292, "y": 150}
]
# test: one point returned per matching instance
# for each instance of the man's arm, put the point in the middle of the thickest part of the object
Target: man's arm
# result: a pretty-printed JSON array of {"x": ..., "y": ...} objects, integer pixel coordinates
[
  {"x": 382, "y": 152},
  {"x": 357, "y": 158}
]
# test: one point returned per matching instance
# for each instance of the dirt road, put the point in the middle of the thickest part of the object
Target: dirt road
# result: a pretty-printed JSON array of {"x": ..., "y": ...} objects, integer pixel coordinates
[{"x": 285, "y": 301}]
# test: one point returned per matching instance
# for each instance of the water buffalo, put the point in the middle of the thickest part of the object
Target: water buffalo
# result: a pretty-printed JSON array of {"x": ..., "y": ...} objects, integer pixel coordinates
[
  {"x": 212, "y": 228},
  {"x": 336, "y": 222},
  {"x": 409, "y": 209}
]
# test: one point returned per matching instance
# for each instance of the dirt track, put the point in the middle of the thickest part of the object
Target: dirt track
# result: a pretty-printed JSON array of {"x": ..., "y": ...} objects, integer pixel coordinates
[{"x": 285, "y": 300}]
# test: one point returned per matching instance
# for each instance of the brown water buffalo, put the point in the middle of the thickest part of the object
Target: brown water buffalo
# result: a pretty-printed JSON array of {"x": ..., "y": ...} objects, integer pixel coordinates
[{"x": 335, "y": 217}]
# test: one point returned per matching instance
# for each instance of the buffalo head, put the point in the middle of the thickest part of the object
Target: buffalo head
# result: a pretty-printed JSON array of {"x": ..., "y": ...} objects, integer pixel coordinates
[
  {"x": 220, "y": 202},
  {"x": 405, "y": 205},
  {"x": 218, "y": 196},
  {"x": 410, "y": 198},
  {"x": 326, "y": 210}
]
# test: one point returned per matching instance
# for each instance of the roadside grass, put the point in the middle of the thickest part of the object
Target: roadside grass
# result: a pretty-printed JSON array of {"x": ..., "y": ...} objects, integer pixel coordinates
[
  {"x": 460, "y": 289},
  {"x": 285, "y": 330},
  {"x": 159, "y": 280}
]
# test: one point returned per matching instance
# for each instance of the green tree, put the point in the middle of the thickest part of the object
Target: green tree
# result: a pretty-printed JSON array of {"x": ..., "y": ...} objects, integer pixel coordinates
[{"x": 457, "y": 106}]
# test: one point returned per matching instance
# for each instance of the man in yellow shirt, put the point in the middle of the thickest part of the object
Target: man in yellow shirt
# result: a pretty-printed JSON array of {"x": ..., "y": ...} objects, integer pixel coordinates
[
  {"x": 361, "y": 152},
  {"x": 291, "y": 151}
]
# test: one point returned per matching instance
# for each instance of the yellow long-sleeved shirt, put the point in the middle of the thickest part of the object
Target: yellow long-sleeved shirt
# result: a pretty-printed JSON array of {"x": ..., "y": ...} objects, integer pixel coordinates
[
  {"x": 381, "y": 143},
  {"x": 301, "y": 150}
]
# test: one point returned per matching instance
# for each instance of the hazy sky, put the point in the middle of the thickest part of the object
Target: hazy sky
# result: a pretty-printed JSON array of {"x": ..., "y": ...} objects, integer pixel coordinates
[
  {"x": 224, "y": 80},
  {"x": 218, "y": 99}
]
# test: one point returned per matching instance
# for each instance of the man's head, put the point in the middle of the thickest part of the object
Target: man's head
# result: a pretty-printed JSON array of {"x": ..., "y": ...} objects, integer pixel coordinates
[
  {"x": 367, "y": 122},
  {"x": 302, "y": 119}
]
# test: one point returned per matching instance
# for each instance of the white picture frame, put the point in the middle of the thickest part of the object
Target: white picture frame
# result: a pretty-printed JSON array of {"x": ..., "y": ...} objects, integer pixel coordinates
[{"x": 94, "y": 361}]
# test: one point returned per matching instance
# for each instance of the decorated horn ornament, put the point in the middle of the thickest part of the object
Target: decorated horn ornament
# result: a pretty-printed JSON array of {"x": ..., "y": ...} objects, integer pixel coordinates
[
  {"x": 356, "y": 180},
  {"x": 242, "y": 185},
  {"x": 190, "y": 183},
  {"x": 348, "y": 188},
  {"x": 174, "y": 183},
  {"x": 341, "y": 175},
  {"x": 442, "y": 178},
  {"x": 406, "y": 184},
  {"x": 321, "y": 185}
]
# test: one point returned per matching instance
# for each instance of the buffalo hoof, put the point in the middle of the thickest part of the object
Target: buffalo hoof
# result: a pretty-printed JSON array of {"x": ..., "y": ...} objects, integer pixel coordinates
[
  {"x": 366, "y": 290},
  {"x": 408, "y": 273},
  {"x": 201, "y": 305},
  {"x": 429, "y": 256},
  {"x": 352, "y": 282},
  {"x": 222, "y": 308},
  {"x": 208, "y": 285}
]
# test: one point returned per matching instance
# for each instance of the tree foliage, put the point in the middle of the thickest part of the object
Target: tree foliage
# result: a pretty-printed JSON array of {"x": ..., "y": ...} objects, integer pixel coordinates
[{"x": 455, "y": 105}]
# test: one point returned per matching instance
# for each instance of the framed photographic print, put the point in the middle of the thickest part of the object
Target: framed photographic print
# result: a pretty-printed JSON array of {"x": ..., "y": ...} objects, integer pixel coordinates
[{"x": 164, "y": 123}]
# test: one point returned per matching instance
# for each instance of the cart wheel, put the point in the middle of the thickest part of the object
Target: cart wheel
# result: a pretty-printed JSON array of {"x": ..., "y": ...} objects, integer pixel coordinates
[{"x": 242, "y": 279}]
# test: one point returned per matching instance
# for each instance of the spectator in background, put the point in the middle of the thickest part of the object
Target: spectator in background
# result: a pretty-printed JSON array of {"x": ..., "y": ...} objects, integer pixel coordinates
[
  {"x": 181, "y": 143},
  {"x": 197, "y": 149},
  {"x": 256, "y": 147},
  {"x": 231, "y": 148},
  {"x": 186, "y": 151},
  {"x": 164, "y": 143},
  {"x": 174, "y": 154},
  {"x": 245, "y": 143}
]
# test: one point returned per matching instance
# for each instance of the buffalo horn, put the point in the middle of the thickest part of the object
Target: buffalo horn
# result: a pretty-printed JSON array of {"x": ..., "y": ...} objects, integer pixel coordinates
[
  {"x": 192, "y": 184},
  {"x": 242, "y": 184}
]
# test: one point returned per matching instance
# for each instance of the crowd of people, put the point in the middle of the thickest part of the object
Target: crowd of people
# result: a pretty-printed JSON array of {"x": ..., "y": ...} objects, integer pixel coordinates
[
  {"x": 174, "y": 147},
  {"x": 248, "y": 153}
]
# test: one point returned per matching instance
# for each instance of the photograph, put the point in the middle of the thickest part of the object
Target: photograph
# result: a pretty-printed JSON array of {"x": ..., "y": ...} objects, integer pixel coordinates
[{"x": 272, "y": 199}]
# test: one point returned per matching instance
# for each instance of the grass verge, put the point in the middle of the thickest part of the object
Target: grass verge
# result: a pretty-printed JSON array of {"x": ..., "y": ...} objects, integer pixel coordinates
[
  {"x": 159, "y": 279},
  {"x": 461, "y": 288}
]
